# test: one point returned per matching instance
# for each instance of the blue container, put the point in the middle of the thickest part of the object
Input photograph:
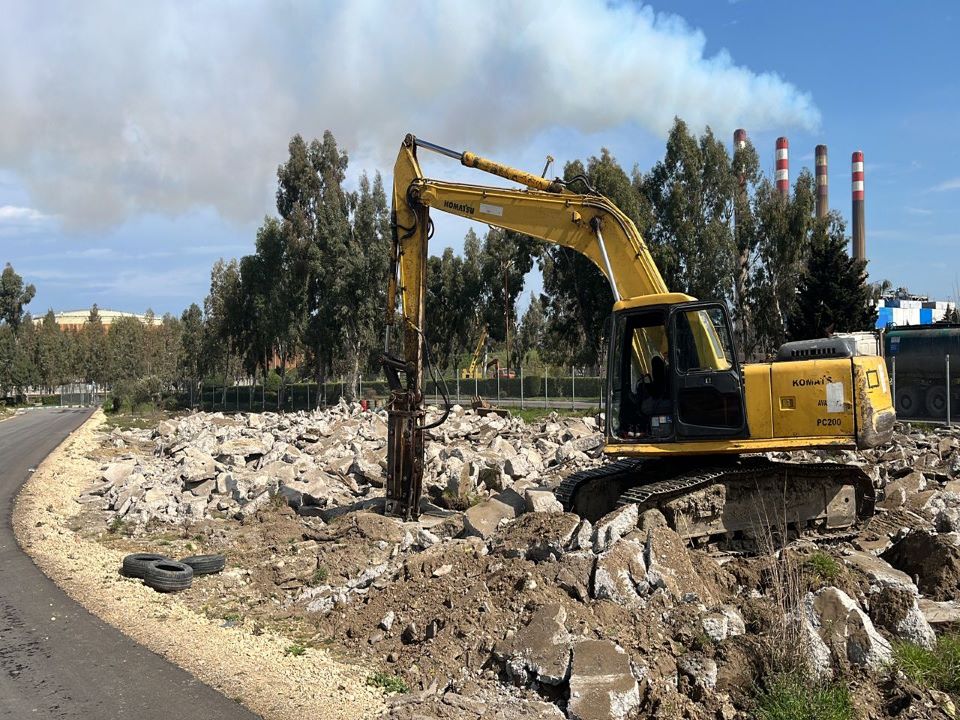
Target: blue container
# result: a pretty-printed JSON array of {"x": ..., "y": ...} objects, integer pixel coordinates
[
  {"x": 926, "y": 316},
  {"x": 884, "y": 317}
]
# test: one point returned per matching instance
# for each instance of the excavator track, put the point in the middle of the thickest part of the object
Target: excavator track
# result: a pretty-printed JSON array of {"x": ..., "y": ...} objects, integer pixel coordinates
[{"x": 738, "y": 501}]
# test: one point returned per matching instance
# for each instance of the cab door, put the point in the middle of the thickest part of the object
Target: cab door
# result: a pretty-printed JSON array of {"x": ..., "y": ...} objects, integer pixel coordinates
[{"x": 707, "y": 385}]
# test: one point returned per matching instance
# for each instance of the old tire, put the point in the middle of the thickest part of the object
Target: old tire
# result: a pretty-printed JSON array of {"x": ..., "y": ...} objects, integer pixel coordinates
[
  {"x": 936, "y": 402},
  {"x": 168, "y": 576},
  {"x": 205, "y": 564},
  {"x": 908, "y": 401},
  {"x": 135, "y": 565}
]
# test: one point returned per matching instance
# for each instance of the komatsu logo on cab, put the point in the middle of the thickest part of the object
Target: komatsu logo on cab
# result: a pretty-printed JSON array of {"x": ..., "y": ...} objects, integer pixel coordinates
[
  {"x": 807, "y": 382},
  {"x": 458, "y": 207}
]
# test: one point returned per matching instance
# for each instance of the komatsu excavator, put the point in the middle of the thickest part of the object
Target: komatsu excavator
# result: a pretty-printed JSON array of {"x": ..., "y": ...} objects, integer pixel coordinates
[{"x": 689, "y": 429}]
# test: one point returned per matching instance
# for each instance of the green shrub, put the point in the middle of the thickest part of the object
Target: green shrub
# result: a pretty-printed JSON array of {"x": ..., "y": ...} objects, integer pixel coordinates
[
  {"x": 796, "y": 697},
  {"x": 296, "y": 650},
  {"x": 938, "y": 668},
  {"x": 390, "y": 683},
  {"x": 824, "y": 566}
]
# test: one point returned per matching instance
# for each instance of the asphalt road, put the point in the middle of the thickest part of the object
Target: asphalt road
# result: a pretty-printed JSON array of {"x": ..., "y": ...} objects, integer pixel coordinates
[{"x": 56, "y": 659}]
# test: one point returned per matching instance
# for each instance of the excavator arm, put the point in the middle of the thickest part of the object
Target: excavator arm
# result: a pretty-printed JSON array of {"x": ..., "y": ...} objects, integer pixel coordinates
[{"x": 548, "y": 210}]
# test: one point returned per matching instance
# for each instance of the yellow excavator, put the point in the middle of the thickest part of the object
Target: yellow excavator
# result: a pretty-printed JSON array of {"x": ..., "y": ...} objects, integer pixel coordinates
[
  {"x": 688, "y": 428},
  {"x": 476, "y": 362}
]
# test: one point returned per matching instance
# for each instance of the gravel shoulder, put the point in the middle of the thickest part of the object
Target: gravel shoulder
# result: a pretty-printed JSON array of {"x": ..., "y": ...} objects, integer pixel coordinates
[{"x": 254, "y": 669}]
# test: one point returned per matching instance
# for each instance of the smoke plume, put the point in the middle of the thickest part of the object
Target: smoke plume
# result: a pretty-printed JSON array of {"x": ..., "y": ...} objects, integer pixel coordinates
[{"x": 113, "y": 109}]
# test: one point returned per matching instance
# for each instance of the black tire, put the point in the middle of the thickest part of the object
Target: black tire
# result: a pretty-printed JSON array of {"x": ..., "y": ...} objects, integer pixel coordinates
[
  {"x": 908, "y": 401},
  {"x": 205, "y": 564},
  {"x": 936, "y": 402},
  {"x": 135, "y": 565},
  {"x": 168, "y": 576}
]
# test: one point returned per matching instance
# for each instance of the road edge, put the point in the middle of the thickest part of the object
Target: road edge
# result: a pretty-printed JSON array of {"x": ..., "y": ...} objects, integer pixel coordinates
[{"x": 270, "y": 683}]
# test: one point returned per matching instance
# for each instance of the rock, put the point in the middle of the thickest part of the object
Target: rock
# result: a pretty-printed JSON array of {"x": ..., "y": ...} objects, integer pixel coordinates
[
  {"x": 613, "y": 526},
  {"x": 651, "y": 519},
  {"x": 898, "y": 491},
  {"x": 517, "y": 467},
  {"x": 248, "y": 448},
  {"x": 462, "y": 485},
  {"x": 542, "y": 501},
  {"x": 897, "y": 610},
  {"x": 537, "y": 536},
  {"x": 701, "y": 670},
  {"x": 620, "y": 574},
  {"x": 117, "y": 473},
  {"x": 846, "y": 629},
  {"x": 893, "y": 599},
  {"x": 933, "y": 560},
  {"x": 541, "y": 648},
  {"x": 576, "y": 570},
  {"x": 482, "y": 519},
  {"x": 602, "y": 687},
  {"x": 669, "y": 566},
  {"x": 942, "y": 615},
  {"x": 310, "y": 489},
  {"x": 386, "y": 622}
]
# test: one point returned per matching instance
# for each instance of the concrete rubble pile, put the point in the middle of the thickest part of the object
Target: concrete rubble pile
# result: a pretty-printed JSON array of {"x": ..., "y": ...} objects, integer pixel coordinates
[
  {"x": 499, "y": 604},
  {"x": 212, "y": 465}
]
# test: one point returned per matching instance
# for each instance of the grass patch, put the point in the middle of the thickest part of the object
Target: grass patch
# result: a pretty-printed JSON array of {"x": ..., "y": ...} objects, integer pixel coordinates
[
  {"x": 296, "y": 650},
  {"x": 116, "y": 526},
  {"x": 938, "y": 668},
  {"x": 795, "y": 697},
  {"x": 135, "y": 420},
  {"x": 319, "y": 576},
  {"x": 390, "y": 683},
  {"x": 823, "y": 566}
]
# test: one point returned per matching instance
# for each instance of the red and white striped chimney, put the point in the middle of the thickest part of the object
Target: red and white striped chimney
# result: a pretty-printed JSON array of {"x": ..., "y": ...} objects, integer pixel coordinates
[
  {"x": 856, "y": 173},
  {"x": 820, "y": 161},
  {"x": 782, "y": 175}
]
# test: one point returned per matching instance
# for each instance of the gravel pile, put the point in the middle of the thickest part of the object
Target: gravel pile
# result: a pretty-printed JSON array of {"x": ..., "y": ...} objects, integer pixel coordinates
[{"x": 211, "y": 465}]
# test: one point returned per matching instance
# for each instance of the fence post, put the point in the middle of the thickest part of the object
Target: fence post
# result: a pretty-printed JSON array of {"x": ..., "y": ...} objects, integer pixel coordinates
[
  {"x": 521, "y": 387},
  {"x": 546, "y": 387},
  {"x": 360, "y": 381},
  {"x": 948, "y": 389},
  {"x": 497, "y": 370},
  {"x": 458, "y": 386},
  {"x": 476, "y": 386},
  {"x": 341, "y": 387},
  {"x": 573, "y": 388},
  {"x": 308, "y": 397},
  {"x": 893, "y": 381},
  {"x": 263, "y": 395}
]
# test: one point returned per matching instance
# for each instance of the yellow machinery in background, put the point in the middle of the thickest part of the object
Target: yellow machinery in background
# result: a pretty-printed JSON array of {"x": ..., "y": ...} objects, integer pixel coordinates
[
  {"x": 687, "y": 424},
  {"x": 475, "y": 369}
]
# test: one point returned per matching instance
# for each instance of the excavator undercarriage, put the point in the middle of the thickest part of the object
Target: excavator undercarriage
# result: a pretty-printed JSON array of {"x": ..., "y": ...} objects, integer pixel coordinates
[{"x": 733, "y": 502}]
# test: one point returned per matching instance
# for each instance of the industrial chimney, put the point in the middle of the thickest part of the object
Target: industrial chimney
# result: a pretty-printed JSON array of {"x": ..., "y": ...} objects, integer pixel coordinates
[
  {"x": 859, "y": 242},
  {"x": 823, "y": 201},
  {"x": 783, "y": 166}
]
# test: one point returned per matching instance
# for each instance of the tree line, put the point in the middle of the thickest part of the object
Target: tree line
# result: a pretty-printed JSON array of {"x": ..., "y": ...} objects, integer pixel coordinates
[{"x": 312, "y": 294}]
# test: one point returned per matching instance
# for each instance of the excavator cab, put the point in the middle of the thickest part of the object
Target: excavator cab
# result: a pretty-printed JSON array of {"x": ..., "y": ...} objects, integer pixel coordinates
[{"x": 674, "y": 374}]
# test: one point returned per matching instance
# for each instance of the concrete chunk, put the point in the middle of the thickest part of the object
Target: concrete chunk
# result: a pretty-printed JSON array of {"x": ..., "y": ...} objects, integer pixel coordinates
[{"x": 602, "y": 687}]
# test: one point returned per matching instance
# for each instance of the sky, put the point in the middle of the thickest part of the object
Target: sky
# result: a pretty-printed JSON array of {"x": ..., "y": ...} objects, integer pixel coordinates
[{"x": 139, "y": 141}]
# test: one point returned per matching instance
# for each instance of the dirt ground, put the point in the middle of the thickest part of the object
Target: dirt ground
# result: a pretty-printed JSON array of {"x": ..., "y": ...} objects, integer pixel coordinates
[{"x": 435, "y": 617}]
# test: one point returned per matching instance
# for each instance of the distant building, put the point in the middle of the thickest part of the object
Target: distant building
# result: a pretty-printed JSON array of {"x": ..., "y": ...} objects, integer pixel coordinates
[
  {"x": 75, "y": 319},
  {"x": 911, "y": 310}
]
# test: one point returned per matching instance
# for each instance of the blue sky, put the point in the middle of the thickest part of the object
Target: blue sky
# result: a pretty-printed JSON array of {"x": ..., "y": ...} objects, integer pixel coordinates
[{"x": 139, "y": 144}]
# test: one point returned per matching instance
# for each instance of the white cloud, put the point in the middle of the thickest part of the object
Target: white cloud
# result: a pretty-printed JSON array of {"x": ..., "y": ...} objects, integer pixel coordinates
[
  {"x": 951, "y": 184},
  {"x": 924, "y": 212},
  {"x": 12, "y": 213},
  {"x": 113, "y": 109}
]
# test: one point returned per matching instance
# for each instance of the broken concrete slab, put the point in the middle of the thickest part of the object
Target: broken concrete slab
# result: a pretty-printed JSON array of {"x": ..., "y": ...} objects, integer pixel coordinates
[
  {"x": 540, "y": 648},
  {"x": 602, "y": 686}
]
